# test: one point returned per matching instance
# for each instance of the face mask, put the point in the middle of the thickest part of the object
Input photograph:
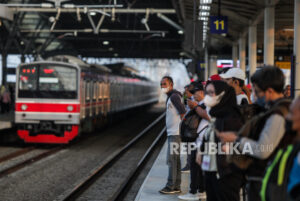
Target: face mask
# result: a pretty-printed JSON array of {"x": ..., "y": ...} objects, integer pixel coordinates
[
  {"x": 210, "y": 101},
  {"x": 261, "y": 101},
  {"x": 165, "y": 90}
]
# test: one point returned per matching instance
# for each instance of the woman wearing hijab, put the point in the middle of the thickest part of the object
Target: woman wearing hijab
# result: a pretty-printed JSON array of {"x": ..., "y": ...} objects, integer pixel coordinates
[{"x": 222, "y": 180}]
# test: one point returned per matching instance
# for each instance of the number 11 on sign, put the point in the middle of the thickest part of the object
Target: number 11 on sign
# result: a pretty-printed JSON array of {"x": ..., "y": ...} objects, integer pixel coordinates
[{"x": 219, "y": 23}]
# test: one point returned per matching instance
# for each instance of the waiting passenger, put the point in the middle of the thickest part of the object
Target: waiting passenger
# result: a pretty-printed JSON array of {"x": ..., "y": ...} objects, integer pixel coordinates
[
  {"x": 222, "y": 180},
  {"x": 6, "y": 101},
  {"x": 282, "y": 178},
  {"x": 174, "y": 113},
  {"x": 235, "y": 77},
  {"x": 264, "y": 136},
  {"x": 196, "y": 176},
  {"x": 189, "y": 92},
  {"x": 287, "y": 91}
]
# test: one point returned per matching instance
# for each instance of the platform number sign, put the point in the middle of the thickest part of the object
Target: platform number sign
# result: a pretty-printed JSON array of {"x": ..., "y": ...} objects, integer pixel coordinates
[{"x": 218, "y": 24}]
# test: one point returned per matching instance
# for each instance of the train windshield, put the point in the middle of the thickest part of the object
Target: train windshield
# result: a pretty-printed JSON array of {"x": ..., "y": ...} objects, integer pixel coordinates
[{"x": 47, "y": 81}]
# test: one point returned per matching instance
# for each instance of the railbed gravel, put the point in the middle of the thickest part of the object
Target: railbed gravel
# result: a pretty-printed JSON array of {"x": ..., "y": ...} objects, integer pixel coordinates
[
  {"x": 5, "y": 150},
  {"x": 51, "y": 177},
  {"x": 111, "y": 180}
]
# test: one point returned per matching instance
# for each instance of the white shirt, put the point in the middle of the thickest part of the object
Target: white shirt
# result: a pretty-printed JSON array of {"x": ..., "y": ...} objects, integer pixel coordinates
[{"x": 172, "y": 117}]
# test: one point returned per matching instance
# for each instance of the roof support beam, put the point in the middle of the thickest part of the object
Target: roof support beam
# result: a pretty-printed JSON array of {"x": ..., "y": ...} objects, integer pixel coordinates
[{"x": 106, "y": 10}]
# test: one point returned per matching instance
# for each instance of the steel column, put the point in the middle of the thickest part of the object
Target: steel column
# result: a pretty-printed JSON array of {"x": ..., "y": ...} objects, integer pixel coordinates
[
  {"x": 269, "y": 35},
  {"x": 252, "y": 45},
  {"x": 297, "y": 47},
  {"x": 242, "y": 53}
]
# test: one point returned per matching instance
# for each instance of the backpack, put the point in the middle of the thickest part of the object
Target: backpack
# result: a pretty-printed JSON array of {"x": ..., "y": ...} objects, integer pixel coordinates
[
  {"x": 275, "y": 181},
  {"x": 189, "y": 126},
  {"x": 252, "y": 130},
  {"x": 248, "y": 111}
]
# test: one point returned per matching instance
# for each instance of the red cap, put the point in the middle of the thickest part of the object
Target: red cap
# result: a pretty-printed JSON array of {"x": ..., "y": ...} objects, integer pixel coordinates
[
  {"x": 249, "y": 86},
  {"x": 214, "y": 77}
]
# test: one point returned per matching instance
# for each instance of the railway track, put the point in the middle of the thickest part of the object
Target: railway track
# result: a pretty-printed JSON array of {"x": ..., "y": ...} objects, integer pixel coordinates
[
  {"x": 27, "y": 162},
  {"x": 16, "y": 154},
  {"x": 87, "y": 182}
]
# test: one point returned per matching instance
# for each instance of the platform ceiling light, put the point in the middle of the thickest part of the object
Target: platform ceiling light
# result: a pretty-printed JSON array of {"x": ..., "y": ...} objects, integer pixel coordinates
[
  {"x": 181, "y": 53},
  {"x": 180, "y": 32},
  {"x": 116, "y": 54},
  {"x": 204, "y": 7},
  {"x": 205, "y": 1},
  {"x": 105, "y": 42},
  {"x": 203, "y": 13},
  {"x": 110, "y": 49},
  {"x": 287, "y": 29},
  {"x": 204, "y": 18},
  {"x": 93, "y": 13}
]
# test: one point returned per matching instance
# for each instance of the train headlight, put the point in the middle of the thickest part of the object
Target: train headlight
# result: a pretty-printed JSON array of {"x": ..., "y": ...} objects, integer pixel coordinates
[
  {"x": 24, "y": 107},
  {"x": 70, "y": 108}
]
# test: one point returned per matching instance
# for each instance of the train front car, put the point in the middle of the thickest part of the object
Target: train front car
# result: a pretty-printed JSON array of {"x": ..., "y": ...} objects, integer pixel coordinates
[{"x": 47, "y": 102}]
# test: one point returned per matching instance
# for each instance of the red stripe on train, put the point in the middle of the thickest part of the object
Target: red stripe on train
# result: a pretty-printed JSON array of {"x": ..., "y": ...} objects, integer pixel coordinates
[
  {"x": 68, "y": 136},
  {"x": 47, "y": 107}
]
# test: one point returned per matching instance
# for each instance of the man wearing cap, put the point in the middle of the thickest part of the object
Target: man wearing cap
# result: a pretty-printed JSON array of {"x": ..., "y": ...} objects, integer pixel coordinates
[{"x": 235, "y": 77}]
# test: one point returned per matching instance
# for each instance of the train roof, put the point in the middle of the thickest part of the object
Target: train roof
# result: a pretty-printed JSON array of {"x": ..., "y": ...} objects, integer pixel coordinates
[{"x": 123, "y": 70}]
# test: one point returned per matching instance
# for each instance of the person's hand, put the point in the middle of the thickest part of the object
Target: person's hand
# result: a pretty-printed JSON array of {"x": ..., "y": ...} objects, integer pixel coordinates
[
  {"x": 227, "y": 136},
  {"x": 199, "y": 158},
  {"x": 192, "y": 104},
  {"x": 226, "y": 148}
]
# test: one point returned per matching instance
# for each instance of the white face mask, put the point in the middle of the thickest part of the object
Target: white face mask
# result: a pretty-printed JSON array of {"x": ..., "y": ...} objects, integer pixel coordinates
[
  {"x": 165, "y": 90},
  {"x": 210, "y": 101}
]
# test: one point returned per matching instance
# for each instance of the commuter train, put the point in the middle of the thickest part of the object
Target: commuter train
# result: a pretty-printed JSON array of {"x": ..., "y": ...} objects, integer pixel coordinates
[{"x": 59, "y": 98}]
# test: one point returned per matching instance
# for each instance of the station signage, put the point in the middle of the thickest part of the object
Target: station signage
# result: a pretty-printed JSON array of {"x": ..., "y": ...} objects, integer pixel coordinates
[{"x": 218, "y": 24}]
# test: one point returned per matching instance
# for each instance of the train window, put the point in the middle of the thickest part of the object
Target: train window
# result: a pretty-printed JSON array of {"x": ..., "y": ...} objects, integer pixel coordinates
[
  {"x": 100, "y": 90},
  {"x": 105, "y": 89},
  {"x": 95, "y": 91},
  {"x": 87, "y": 90},
  {"x": 48, "y": 81}
]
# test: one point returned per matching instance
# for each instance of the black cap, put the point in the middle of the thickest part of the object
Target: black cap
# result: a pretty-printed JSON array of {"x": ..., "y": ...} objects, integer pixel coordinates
[{"x": 197, "y": 87}]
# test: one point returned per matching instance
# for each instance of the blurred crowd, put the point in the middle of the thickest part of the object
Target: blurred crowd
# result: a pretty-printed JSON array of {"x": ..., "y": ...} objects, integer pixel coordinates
[
  {"x": 6, "y": 98},
  {"x": 254, "y": 130}
]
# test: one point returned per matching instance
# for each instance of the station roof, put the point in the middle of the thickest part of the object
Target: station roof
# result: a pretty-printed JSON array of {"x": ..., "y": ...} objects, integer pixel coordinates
[{"x": 131, "y": 28}]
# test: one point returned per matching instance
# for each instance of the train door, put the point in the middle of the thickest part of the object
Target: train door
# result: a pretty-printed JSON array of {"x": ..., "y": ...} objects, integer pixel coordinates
[
  {"x": 96, "y": 98},
  {"x": 100, "y": 97},
  {"x": 82, "y": 99},
  {"x": 87, "y": 99}
]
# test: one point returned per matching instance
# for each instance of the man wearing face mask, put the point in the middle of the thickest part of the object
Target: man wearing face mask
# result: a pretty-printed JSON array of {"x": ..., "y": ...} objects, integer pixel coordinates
[
  {"x": 235, "y": 77},
  {"x": 174, "y": 113},
  {"x": 268, "y": 135}
]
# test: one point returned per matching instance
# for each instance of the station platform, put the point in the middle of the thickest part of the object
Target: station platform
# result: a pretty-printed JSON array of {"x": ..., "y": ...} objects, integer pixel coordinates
[
  {"x": 7, "y": 120},
  {"x": 157, "y": 178}
]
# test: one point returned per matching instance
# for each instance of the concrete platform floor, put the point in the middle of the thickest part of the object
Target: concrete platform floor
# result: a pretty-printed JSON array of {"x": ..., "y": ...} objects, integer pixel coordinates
[
  {"x": 157, "y": 179},
  {"x": 6, "y": 120}
]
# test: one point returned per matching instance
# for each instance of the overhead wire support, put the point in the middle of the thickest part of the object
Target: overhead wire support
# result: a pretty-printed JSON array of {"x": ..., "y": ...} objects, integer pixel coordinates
[{"x": 56, "y": 19}]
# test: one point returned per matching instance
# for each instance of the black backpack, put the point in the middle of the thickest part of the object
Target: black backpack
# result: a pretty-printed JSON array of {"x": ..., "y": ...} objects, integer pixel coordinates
[
  {"x": 189, "y": 126},
  {"x": 252, "y": 129},
  {"x": 248, "y": 111},
  {"x": 275, "y": 181}
]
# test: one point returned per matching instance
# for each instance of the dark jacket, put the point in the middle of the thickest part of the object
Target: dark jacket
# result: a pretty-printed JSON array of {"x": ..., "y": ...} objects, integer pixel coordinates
[{"x": 228, "y": 118}]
